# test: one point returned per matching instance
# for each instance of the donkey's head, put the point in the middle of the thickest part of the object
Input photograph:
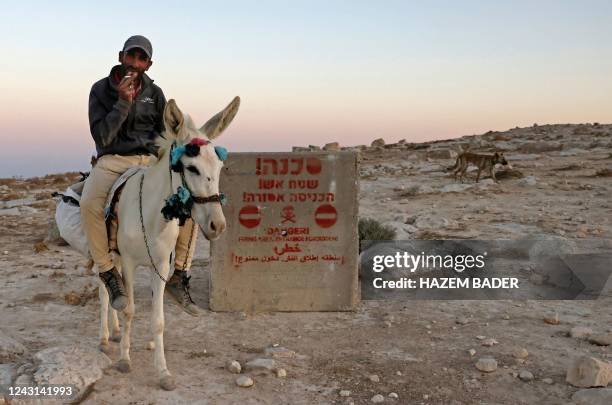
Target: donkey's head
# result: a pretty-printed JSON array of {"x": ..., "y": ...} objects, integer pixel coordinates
[{"x": 199, "y": 161}]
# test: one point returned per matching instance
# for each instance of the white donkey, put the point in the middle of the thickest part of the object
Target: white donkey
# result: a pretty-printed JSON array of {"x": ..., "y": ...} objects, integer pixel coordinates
[{"x": 139, "y": 208}]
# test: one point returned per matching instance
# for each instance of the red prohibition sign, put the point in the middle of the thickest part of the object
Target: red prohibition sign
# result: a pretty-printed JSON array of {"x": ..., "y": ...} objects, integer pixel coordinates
[
  {"x": 326, "y": 215},
  {"x": 249, "y": 216}
]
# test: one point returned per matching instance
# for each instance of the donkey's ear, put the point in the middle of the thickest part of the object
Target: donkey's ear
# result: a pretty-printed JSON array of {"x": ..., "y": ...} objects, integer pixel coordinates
[
  {"x": 221, "y": 120},
  {"x": 173, "y": 118}
]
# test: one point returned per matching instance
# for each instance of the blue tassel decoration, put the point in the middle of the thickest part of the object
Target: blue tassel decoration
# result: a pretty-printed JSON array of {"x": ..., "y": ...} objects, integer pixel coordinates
[
  {"x": 176, "y": 154},
  {"x": 183, "y": 194},
  {"x": 221, "y": 153}
]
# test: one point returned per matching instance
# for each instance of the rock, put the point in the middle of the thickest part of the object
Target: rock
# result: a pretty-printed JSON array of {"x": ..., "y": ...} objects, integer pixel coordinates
[
  {"x": 456, "y": 188},
  {"x": 10, "y": 212},
  {"x": 539, "y": 147},
  {"x": 486, "y": 182},
  {"x": 374, "y": 378},
  {"x": 28, "y": 210},
  {"x": 572, "y": 152},
  {"x": 520, "y": 353},
  {"x": 10, "y": 349},
  {"x": 472, "y": 384},
  {"x": 377, "y": 399},
  {"x": 24, "y": 379},
  {"x": 486, "y": 364},
  {"x": 78, "y": 365},
  {"x": 427, "y": 221},
  {"x": 508, "y": 173},
  {"x": 345, "y": 393},
  {"x": 233, "y": 367},
  {"x": 8, "y": 372},
  {"x": 378, "y": 142},
  {"x": 281, "y": 373},
  {"x": 588, "y": 372},
  {"x": 402, "y": 231},
  {"x": 430, "y": 168},
  {"x": 244, "y": 381},
  {"x": 299, "y": 149},
  {"x": 332, "y": 147},
  {"x": 489, "y": 342},
  {"x": 439, "y": 154},
  {"x": 411, "y": 190},
  {"x": 260, "y": 364},
  {"x": 525, "y": 375},
  {"x": 602, "y": 339},
  {"x": 528, "y": 181},
  {"x": 552, "y": 319},
  {"x": 17, "y": 203},
  {"x": 600, "y": 396},
  {"x": 393, "y": 395},
  {"x": 481, "y": 337},
  {"x": 279, "y": 352},
  {"x": 580, "y": 332},
  {"x": 462, "y": 320},
  {"x": 548, "y": 381},
  {"x": 472, "y": 352}
]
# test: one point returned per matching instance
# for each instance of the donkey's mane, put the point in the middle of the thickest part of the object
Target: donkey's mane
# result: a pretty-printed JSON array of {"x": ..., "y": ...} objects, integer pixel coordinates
[{"x": 164, "y": 143}]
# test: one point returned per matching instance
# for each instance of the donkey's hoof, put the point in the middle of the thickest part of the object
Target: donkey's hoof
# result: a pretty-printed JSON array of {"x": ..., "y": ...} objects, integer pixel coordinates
[
  {"x": 124, "y": 366},
  {"x": 104, "y": 348},
  {"x": 167, "y": 383},
  {"x": 116, "y": 337}
]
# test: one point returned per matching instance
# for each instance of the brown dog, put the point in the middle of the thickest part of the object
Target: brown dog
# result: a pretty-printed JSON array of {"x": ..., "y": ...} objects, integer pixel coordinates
[{"x": 482, "y": 162}]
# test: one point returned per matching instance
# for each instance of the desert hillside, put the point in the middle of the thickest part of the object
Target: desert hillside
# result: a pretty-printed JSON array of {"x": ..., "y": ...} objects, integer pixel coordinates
[{"x": 558, "y": 186}]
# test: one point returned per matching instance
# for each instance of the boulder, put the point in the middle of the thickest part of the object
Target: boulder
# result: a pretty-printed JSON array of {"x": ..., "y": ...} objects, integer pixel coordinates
[
  {"x": 10, "y": 349},
  {"x": 332, "y": 147},
  {"x": 378, "y": 142},
  {"x": 588, "y": 372},
  {"x": 76, "y": 365},
  {"x": 599, "y": 396}
]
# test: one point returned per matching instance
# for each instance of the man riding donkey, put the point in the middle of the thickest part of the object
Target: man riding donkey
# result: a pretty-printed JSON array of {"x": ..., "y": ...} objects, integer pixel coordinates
[{"x": 125, "y": 118}]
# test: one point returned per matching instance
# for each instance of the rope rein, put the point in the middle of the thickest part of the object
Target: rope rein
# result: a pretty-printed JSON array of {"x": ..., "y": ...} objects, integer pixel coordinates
[{"x": 144, "y": 233}]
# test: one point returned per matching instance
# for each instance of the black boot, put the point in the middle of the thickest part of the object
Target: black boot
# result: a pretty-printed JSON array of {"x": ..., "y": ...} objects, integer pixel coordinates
[
  {"x": 178, "y": 288},
  {"x": 116, "y": 290}
]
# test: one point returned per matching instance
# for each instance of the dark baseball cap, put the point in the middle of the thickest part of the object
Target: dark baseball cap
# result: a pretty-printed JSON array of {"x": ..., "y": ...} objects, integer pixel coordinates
[{"x": 138, "y": 41}]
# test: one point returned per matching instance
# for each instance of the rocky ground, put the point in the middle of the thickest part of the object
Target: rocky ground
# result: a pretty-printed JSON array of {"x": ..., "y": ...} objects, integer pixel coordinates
[{"x": 400, "y": 352}]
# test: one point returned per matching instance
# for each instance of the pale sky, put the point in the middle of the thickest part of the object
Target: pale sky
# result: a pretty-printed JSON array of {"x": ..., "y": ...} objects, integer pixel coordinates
[{"x": 308, "y": 72}]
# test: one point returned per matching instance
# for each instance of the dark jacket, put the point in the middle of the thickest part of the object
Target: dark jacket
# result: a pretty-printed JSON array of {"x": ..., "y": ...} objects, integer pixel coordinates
[{"x": 121, "y": 128}]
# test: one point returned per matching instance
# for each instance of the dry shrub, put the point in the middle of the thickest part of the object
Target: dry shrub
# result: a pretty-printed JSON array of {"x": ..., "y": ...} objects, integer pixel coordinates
[
  {"x": 40, "y": 247},
  {"x": 371, "y": 230}
]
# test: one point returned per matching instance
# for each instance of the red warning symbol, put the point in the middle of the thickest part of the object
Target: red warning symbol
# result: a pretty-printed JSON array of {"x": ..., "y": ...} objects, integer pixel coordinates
[
  {"x": 326, "y": 216},
  {"x": 249, "y": 216}
]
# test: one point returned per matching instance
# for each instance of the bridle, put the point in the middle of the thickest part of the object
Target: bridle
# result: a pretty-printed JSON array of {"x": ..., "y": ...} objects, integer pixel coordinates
[
  {"x": 179, "y": 205},
  {"x": 215, "y": 198}
]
